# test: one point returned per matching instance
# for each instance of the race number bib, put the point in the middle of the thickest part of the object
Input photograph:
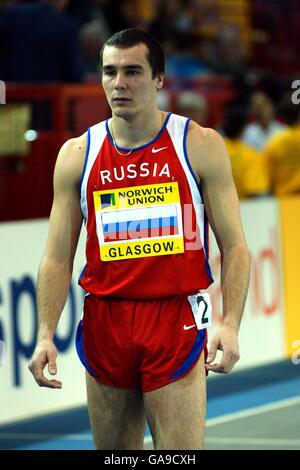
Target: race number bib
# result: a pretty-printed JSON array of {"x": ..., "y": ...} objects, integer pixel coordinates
[
  {"x": 139, "y": 221},
  {"x": 202, "y": 310}
]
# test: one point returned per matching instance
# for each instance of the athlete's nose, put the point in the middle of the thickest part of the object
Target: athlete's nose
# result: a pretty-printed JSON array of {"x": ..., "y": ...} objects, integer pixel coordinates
[{"x": 120, "y": 82}]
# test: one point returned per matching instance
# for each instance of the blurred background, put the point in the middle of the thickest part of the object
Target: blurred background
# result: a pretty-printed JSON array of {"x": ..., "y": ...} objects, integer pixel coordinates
[{"x": 230, "y": 64}]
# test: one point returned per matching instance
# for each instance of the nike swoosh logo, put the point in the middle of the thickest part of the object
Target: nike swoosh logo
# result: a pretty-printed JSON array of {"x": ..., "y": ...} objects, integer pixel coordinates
[
  {"x": 188, "y": 327},
  {"x": 158, "y": 150}
]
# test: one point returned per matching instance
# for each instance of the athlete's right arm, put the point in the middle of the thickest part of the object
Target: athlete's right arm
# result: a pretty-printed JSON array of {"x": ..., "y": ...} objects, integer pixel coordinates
[{"x": 56, "y": 266}]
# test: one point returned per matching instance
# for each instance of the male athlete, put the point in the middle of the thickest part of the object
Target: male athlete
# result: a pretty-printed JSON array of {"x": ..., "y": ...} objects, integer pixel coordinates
[{"x": 140, "y": 181}]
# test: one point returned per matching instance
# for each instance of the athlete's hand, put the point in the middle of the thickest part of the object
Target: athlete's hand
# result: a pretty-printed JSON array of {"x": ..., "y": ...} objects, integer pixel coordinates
[
  {"x": 45, "y": 353},
  {"x": 224, "y": 340}
]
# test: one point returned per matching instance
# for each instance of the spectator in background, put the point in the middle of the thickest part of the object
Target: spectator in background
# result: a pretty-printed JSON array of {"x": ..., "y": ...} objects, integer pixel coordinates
[
  {"x": 174, "y": 26},
  {"x": 225, "y": 53},
  {"x": 248, "y": 168},
  {"x": 111, "y": 14},
  {"x": 98, "y": 20},
  {"x": 92, "y": 34},
  {"x": 183, "y": 60},
  {"x": 39, "y": 43},
  {"x": 170, "y": 17},
  {"x": 282, "y": 154},
  {"x": 265, "y": 125},
  {"x": 164, "y": 100},
  {"x": 115, "y": 13},
  {"x": 193, "y": 105}
]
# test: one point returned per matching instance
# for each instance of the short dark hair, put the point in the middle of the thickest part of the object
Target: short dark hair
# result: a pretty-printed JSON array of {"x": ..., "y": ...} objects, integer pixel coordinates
[{"x": 131, "y": 37}]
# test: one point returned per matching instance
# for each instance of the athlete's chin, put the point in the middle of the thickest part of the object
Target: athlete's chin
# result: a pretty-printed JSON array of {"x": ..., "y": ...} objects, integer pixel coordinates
[{"x": 122, "y": 113}]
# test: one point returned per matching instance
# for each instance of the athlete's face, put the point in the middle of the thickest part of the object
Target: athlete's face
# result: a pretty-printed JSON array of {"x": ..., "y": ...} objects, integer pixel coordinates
[{"x": 127, "y": 80}]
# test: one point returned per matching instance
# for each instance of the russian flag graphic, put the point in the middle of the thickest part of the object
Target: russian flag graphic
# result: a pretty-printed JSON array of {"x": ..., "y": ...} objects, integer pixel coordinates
[{"x": 140, "y": 223}]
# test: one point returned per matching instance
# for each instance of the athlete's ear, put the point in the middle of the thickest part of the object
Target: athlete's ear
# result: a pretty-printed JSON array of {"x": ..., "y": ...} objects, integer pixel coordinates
[{"x": 159, "y": 81}]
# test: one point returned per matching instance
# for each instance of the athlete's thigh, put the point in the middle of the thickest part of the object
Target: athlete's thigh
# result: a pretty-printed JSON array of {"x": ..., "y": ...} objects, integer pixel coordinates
[
  {"x": 117, "y": 416},
  {"x": 176, "y": 413}
]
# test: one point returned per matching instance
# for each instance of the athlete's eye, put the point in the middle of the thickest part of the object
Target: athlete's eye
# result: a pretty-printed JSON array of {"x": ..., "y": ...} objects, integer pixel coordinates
[
  {"x": 109, "y": 71},
  {"x": 133, "y": 72}
]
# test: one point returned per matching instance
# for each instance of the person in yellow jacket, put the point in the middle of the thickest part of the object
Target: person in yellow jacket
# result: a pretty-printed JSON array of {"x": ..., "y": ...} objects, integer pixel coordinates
[
  {"x": 282, "y": 154},
  {"x": 248, "y": 166}
]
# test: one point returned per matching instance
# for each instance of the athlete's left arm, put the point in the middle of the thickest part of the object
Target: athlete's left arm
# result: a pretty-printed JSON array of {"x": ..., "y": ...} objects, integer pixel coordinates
[{"x": 211, "y": 163}]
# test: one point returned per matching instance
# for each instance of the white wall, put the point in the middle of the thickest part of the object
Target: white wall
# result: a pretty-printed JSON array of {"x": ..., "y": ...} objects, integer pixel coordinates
[
  {"x": 21, "y": 247},
  {"x": 261, "y": 336}
]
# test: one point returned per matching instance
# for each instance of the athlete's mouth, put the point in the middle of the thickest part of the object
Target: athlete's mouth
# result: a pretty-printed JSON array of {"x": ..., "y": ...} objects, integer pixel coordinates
[{"x": 120, "y": 99}]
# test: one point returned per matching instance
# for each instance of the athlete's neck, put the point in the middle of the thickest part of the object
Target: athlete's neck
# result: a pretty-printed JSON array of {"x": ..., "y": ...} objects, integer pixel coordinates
[{"x": 137, "y": 131}]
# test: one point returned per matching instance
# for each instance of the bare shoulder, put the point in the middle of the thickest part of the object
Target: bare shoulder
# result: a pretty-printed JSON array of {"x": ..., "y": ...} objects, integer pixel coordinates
[
  {"x": 71, "y": 158},
  {"x": 206, "y": 150},
  {"x": 203, "y": 136}
]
